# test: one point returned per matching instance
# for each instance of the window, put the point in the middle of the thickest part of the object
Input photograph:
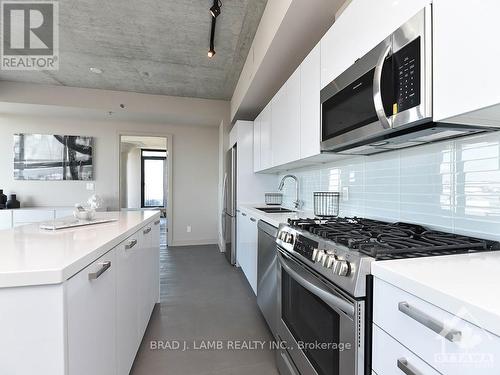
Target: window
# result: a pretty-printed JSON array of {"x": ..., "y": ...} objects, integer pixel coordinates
[{"x": 153, "y": 178}]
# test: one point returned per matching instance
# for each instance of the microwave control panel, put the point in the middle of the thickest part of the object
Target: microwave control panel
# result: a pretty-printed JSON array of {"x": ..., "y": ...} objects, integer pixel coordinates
[{"x": 407, "y": 67}]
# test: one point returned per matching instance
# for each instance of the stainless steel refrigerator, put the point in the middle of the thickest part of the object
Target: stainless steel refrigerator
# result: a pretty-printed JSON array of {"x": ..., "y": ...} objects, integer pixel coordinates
[{"x": 229, "y": 211}]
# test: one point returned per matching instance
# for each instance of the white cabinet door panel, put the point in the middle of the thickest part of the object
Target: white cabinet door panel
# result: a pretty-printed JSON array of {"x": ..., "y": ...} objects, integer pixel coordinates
[
  {"x": 144, "y": 269},
  {"x": 266, "y": 156},
  {"x": 362, "y": 25},
  {"x": 5, "y": 219},
  {"x": 392, "y": 358},
  {"x": 286, "y": 122},
  {"x": 394, "y": 308},
  {"x": 127, "y": 290},
  {"x": 466, "y": 57},
  {"x": 63, "y": 212},
  {"x": 155, "y": 279},
  {"x": 310, "y": 116},
  {"x": 23, "y": 217},
  {"x": 256, "y": 143},
  {"x": 91, "y": 318}
]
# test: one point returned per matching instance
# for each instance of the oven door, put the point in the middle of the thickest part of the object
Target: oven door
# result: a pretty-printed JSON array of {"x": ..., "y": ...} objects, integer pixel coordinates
[{"x": 321, "y": 330}]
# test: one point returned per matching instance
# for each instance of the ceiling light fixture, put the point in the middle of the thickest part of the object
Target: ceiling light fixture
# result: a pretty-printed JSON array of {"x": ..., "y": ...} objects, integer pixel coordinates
[
  {"x": 215, "y": 11},
  {"x": 96, "y": 70}
]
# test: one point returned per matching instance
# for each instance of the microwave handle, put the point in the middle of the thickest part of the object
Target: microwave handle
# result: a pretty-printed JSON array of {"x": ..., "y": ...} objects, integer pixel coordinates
[{"x": 377, "y": 86}]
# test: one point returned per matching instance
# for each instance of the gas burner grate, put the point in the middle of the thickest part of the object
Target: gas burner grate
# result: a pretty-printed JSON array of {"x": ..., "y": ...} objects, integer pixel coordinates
[{"x": 383, "y": 240}]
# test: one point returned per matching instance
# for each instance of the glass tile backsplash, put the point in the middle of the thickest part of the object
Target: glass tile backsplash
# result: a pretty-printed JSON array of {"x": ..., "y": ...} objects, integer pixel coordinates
[{"x": 452, "y": 186}]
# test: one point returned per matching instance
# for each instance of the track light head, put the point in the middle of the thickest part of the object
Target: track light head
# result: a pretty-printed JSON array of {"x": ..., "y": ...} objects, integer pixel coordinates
[
  {"x": 211, "y": 53},
  {"x": 215, "y": 9}
]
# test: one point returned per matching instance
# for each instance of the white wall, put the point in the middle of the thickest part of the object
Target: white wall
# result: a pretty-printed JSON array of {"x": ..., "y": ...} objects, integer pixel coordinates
[
  {"x": 133, "y": 178},
  {"x": 195, "y": 169},
  {"x": 452, "y": 186},
  {"x": 191, "y": 122}
]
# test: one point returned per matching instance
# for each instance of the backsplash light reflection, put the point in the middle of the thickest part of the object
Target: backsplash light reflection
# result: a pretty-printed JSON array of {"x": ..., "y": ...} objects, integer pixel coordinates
[{"x": 452, "y": 186}]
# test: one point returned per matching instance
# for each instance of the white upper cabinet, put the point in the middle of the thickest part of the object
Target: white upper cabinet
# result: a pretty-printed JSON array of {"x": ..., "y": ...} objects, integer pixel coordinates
[
  {"x": 466, "y": 55},
  {"x": 266, "y": 154},
  {"x": 310, "y": 119},
  {"x": 286, "y": 122},
  {"x": 362, "y": 25},
  {"x": 256, "y": 143}
]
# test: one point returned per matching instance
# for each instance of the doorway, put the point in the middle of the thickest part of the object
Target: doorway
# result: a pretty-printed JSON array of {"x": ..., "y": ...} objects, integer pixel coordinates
[{"x": 145, "y": 176}]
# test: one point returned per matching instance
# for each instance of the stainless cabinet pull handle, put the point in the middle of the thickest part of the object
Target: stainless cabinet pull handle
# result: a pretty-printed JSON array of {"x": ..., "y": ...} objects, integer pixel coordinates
[
  {"x": 104, "y": 267},
  {"x": 252, "y": 219},
  {"x": 130, "y": 244},
  {"x": 405, "y": 367},
  {"x": 451, "y": 335},
  {"x": 147, "y": 230},
  {"x": 157, "y": 222},
  {"x": 244, "y": 214}
]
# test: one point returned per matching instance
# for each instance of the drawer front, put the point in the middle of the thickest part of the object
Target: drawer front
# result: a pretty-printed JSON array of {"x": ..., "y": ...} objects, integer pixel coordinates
[
  {"x": 449, "y": 343},
  {"x": 23, "y": 217},
  {"x": 392, "y": 358}
]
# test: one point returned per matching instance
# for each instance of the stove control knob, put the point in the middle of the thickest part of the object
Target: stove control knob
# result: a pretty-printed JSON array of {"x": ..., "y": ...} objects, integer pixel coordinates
[
  {"x": 289, "y": 238},
  {"x": 321, "y": 255},
  {"x": 329, "y": 261},
  {"x": 314, "y": 255},
  {"x": 343, "y": 268}
]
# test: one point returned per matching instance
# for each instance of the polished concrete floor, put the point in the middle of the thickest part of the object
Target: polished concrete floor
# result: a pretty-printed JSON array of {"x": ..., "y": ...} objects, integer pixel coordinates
[{"x": 203, "y": 301}]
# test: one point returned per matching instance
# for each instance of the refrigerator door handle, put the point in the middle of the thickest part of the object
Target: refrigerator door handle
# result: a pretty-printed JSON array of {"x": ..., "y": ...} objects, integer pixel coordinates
[{"x": 224, "y": 194}]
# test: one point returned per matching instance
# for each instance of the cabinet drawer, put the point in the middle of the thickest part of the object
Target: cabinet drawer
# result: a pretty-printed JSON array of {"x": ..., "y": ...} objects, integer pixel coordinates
[
  {"x": 23, "y": 217},
  {"x": 90, "y": 296},
  {"x": 451, "y": 344},
  {"x": 392, "y": 358}
]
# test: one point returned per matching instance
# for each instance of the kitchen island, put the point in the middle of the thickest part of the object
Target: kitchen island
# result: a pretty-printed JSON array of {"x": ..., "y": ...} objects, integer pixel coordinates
[{"x": 78, "y": 301}]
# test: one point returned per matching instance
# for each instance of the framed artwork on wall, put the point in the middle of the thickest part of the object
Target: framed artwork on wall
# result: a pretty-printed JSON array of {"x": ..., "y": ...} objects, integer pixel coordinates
[{"x": 53, "y": 157}]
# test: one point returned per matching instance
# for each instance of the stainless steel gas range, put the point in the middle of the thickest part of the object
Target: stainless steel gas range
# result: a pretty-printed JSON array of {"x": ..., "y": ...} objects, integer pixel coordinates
[{"x": 325, "y": 287}]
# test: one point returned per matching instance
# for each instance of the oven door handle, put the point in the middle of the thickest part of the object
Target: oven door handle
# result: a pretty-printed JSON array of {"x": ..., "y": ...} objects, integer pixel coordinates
[
  {"x": 377, "y": 86},
  {"x": 313, "y": 286}
]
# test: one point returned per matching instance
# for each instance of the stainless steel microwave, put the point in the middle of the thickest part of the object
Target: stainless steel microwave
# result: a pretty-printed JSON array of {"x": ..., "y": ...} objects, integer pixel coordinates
[{"x": 384, "y": 100}]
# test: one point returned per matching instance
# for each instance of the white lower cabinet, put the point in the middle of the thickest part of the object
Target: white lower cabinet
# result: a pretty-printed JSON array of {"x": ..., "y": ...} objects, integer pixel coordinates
[
  {"x": 128, "y": 287},
  {"x": 392, "y": 358},
  {"x": 110, "y": 303},
  {"x": 247, "y": 247},
  {"x": 91, "y": 318},
  {"x": 92, "y": 323},
  {"x": 5, "y": 219},
  {"x": 155, "y": 264},
  {"x": 450, "y": 344},
  {"x": 24, "y": 217}
]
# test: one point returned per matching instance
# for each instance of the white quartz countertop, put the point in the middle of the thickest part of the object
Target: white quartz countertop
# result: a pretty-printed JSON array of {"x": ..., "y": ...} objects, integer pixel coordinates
[
  {"x": 464, "y": 285},
  {"x": 273, "y": 219},
  {"x": 33, "y": 256}
]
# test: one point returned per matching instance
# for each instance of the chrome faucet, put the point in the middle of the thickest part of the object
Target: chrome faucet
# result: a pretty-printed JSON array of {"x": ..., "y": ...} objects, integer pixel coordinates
[{"x": 296, "y": 203}]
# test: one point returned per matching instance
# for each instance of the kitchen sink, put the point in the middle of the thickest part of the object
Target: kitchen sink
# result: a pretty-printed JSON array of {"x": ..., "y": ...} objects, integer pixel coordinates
[{"x": 274, "y": 210}]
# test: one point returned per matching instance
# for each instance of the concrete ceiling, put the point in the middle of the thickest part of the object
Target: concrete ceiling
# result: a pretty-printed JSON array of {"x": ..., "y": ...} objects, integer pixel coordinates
[{"x": 151, "y": 46}]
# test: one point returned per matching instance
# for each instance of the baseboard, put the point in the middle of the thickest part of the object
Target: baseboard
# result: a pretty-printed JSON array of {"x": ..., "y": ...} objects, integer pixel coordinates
[{"x": 194, "y": 242}]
